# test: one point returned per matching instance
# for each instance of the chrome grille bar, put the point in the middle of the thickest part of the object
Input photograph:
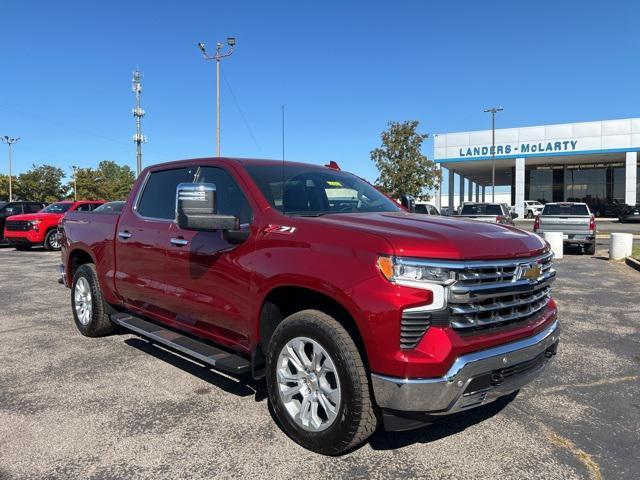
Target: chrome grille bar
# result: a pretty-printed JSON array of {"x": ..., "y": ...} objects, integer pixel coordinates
[{"x": 486, "y": 293}]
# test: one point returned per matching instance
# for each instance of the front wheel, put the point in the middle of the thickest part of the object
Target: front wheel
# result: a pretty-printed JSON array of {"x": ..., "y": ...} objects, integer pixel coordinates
[
  {"x": 87, "y": 303},
  {"x": 51, "y": 240},
  {"x": 318, "y": 385}
]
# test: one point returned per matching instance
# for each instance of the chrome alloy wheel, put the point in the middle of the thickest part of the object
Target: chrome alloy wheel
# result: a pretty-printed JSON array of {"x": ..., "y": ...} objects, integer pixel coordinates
[
  {"x": 54, "y": 241},
  {"x": 308, "y": 384},
  {"x": 82, "y": 301}
]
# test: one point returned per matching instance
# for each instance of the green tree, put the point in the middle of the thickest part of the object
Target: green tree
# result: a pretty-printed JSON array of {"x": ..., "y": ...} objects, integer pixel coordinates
[
  {"x": 403, "y": 169},
  {"x": 43, "y": 183},
  {"x": 109, "y": 181},
  {"x": 4, "y": 187}
]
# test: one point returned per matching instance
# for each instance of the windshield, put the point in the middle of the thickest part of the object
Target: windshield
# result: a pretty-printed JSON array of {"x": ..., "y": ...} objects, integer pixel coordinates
[
  {"x": 314, "y": 191},
  {"x": 481, "y": 210},
  {"x": 56, "y": 208},
  {"x": 566, "y": 210},
  {"x": 9, "y": 208}
]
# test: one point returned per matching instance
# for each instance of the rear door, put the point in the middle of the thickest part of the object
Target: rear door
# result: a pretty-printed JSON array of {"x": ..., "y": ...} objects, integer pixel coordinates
[
  {"x": 208, "y": 278},
  {"x": 142, "y": 236}
]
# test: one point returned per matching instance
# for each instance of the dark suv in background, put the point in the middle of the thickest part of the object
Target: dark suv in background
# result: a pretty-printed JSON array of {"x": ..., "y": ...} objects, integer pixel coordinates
[{"x": 17, "y": 208}]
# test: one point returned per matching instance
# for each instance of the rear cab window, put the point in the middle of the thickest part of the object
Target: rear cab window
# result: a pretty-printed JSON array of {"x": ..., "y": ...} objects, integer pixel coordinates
[
  {"x": 565, "y": 210},
  {"x": 481, "y": 210}
]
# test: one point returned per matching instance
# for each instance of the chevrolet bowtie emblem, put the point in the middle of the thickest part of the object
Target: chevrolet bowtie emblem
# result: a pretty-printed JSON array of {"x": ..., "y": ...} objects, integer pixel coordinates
[{"x": 532, "y": 273}]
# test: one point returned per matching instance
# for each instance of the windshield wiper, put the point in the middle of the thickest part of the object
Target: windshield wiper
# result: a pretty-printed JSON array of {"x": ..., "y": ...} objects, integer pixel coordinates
[{"x": 307, "y": 214}]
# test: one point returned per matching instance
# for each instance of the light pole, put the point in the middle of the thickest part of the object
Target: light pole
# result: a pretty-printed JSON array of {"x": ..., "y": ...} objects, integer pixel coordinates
[
  {"x": 10, "y": 141},
  {"x": 493, "y": 112},
  {"x": 75, "y": 183},
  {"x": 219, "y": 55}
]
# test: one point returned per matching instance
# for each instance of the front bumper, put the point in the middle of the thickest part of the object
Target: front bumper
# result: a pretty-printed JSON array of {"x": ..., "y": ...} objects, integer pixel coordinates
[
  {"x": 474, "y": 379},
  {"x": 18, "y": 241}
]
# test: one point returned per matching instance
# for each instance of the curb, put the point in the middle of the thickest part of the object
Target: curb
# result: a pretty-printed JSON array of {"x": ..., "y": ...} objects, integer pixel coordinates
[
  {"x": 608, "y": 235},
  {"x": 633, "y": 263}
]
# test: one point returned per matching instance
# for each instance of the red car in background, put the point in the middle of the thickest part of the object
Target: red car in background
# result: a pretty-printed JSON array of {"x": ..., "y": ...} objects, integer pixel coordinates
[{"x": 25, "y": 231}]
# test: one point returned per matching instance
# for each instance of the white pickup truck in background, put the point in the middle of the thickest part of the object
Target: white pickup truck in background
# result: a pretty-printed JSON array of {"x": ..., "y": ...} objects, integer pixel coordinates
[{"x": 574, "y": 220}]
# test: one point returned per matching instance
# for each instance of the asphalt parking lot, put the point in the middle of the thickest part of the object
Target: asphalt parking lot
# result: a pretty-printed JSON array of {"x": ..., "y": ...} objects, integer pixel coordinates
[{"x": 116, "y": 407}]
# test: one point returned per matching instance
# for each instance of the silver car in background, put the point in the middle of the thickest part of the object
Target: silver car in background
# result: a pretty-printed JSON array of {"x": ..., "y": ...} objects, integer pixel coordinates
[{"x": 574, "y": 220}]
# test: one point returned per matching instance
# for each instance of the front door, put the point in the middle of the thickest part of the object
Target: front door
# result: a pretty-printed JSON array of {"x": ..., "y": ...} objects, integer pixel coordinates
[
  {"x": 209, "y": 279},
  {"x": 142, "y": 237}
]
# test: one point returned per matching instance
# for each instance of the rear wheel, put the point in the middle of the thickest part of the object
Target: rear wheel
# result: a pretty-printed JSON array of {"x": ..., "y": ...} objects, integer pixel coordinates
[
  {"x": 590, "y": 249},
  {"x": 530, "y": 214},
  {"x": 318, "y": 385},
  {"x": 51, "y": 241},
  {"x": 87, "y": 303}
]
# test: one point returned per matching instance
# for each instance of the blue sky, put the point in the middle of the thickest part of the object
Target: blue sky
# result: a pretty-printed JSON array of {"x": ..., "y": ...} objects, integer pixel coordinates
[{"x": 343, "y": 70}]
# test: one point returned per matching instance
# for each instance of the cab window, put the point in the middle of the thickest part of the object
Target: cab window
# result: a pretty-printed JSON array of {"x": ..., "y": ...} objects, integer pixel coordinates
[
  {"x": 158, "y": 200},
  {"x": 229, "y": 197}
]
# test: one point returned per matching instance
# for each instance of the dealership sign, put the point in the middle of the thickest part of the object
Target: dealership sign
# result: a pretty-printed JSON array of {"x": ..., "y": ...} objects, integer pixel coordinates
[{"x": 522, "y": 148}]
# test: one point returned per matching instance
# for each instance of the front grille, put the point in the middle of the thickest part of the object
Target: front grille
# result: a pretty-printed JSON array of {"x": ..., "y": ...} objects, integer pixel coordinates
[
  {"x": 413, "y": 326},
  {"x": 17, "y": 225},
  {"x": 487, "y": 294}
]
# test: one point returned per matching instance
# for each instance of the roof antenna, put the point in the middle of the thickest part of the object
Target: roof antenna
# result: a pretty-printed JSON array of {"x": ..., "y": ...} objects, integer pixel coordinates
[{"x": 282, "y": 159}]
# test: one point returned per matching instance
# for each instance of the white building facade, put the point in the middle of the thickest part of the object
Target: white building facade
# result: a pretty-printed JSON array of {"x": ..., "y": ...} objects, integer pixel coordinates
[{"x": 592, "y": 162}]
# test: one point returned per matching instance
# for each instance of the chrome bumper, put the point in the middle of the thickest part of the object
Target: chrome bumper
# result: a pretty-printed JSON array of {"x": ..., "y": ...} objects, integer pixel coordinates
[
  {"x": 62, "y": 278},
  {"x": 473, "y": 379}
]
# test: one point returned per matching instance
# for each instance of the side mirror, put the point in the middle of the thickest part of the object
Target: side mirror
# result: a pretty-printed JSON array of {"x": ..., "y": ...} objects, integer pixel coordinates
[
  {"x": 196, "y": 209},
  {"x": 408, "y": 202}
]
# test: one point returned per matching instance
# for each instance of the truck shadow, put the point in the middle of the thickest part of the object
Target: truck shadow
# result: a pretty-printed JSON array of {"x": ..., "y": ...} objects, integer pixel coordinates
[
  {"x": 451, "y": 425},
  {"x": 243, "y": 386}
]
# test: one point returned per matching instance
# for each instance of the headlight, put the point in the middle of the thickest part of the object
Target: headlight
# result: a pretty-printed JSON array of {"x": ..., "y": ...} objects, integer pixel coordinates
[
  {"x": 411, "y": 272},
  {"x": 401, "y": 270}
]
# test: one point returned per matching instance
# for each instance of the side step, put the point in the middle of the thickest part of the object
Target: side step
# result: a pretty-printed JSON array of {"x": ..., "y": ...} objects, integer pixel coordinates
[{"x": 220, "y": 359}]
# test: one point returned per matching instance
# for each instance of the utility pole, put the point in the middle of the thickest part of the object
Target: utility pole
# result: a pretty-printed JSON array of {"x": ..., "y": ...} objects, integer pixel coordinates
[
  {"x": 10, "y": 142},
  {"x": 75, "y": 183},
  {"x": 493, "y": 112},
  {"x": 138, "y": 113},
  {"x": 219, "y": 55}
]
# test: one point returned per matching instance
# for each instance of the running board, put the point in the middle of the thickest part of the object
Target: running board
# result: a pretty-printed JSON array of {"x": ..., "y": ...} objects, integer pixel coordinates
[{"x": 220, "y": 359}]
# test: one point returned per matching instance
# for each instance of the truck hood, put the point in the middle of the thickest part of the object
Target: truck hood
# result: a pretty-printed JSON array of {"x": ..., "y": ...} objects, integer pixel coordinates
[
  {"x": 426, "y": 236},
  {"x": 34, "y": 216}
]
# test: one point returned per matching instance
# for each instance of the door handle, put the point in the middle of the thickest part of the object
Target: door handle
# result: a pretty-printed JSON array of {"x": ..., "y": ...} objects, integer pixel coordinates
[
  {"x": 179, "y": 242},
  {"x": 124, "y": 235}
]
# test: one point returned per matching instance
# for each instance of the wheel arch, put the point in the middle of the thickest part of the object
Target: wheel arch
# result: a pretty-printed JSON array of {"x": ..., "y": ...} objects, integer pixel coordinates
[{"x": 284, "y": 300}]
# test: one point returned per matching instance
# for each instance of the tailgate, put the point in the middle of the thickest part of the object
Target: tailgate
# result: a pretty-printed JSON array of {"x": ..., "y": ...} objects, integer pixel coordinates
[{"x": 565, "y": 224}]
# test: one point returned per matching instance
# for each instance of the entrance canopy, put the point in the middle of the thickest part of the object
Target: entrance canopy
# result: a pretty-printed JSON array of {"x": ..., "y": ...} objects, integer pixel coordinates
[{"x": 594, "y": 162}]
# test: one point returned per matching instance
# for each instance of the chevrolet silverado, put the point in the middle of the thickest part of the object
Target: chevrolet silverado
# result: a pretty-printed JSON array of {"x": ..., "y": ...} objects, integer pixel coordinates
[{"x": 355, "y": 311}]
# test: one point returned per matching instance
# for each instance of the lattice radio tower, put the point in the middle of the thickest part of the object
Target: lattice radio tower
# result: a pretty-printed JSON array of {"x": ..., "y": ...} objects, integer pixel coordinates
[{"x": 138, "y": 113}]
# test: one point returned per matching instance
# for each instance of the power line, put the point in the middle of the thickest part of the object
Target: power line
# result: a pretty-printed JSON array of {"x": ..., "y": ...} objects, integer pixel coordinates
[{"x": 244, "y": 119}]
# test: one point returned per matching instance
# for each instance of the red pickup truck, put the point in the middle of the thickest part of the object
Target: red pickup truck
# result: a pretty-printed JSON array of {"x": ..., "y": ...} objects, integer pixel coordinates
[
  {"x": 25, "y": 231},
  {"x": 356, "y": 311}
]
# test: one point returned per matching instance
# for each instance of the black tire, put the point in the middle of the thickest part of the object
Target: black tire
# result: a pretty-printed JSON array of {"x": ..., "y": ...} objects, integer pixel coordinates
[
  {"x": 51, "y": 242},
  {"x": 22, "y": 248},
  {"x": 530, "y": 214},
  {"x": 98, "y": 324},
  {"x": 356, "y": 415},
  {"x": 590, "y": 249}
]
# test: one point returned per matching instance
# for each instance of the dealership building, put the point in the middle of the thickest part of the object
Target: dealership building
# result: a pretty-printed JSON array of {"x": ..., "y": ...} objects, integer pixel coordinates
[{"x": 592, "y": 162}]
